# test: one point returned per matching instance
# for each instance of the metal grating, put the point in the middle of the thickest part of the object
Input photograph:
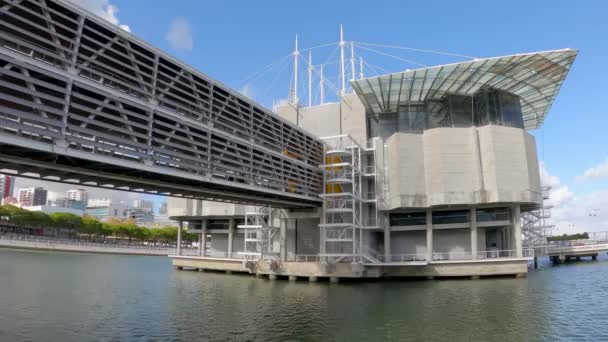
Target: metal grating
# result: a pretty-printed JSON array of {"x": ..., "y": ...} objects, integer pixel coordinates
[{"x": 69, "y": 79}]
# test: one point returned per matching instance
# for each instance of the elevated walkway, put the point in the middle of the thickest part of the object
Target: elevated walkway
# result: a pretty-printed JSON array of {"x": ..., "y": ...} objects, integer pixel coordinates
[{"x": 91, "y": 104}]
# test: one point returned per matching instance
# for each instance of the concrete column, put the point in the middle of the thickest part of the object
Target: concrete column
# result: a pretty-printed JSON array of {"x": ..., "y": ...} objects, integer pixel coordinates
[
  {"x": 387, "y": 241},
  {"x": 204, "y": 237},
  {"x": 283, "y": 238},
  {"x": 517, "y": 231},
  {"x": 231, "y": 227},
  {"x": 200, "y": 244},
  {"x": 473, "y": 219},
  {"x": 429, "y": 235},
  {"x": 179, "y": 237}
]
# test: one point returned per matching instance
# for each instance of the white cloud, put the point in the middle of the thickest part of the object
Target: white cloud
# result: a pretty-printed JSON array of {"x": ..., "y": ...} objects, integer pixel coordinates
[
  {"x": 598, "y": 171},
  {"x": 247, "y": 90},
  {"x": 104, "y": 9},
  {"x": 560, "y": 193},
  {"x": 574, "y": 213},
  {"x": 179, "y": 35}
]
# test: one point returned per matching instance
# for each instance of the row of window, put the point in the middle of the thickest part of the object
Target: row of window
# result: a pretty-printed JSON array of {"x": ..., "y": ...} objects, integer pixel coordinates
[
  {"x": 450, "y": 216},
  {"x": 486, "y": 107}
]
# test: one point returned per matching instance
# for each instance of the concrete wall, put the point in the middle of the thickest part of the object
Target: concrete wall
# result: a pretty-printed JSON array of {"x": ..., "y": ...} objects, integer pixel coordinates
[
  {"x": 307, "y": 236},
  {"x": 344, "y": 117},
  {"x": 451, "y": 240},
  {"x": 192, "y": 207},
  {"x": 444, "y": 241},
  {"x": 412, "y": 242},
  {"x": 509, "y": 163},
  {"x": 406, "y": 169},
  {"x": 462, "y": 166}
]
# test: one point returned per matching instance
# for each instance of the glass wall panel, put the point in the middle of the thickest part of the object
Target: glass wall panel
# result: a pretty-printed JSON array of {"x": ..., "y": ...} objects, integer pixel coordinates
[
  {"x": 408, "y": 219},
  {"x": 488, "y": 106},
  {"x": 438, "y": 116},
  {"x": 510, "y": 106},
  {"x": 451, "y": 216},
  {"x": 461, "y": 110}
]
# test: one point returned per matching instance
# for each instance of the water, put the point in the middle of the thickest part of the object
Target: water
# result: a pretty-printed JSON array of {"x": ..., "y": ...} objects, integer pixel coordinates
[{"x": 81, "y": 297}]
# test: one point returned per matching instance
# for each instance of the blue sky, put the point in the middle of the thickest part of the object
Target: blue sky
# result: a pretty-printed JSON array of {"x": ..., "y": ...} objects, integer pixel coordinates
[{"x": 232, "y": 39}]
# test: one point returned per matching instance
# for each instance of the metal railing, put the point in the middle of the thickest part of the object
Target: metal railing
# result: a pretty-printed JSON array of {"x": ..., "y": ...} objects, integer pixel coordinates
[
  {"x": 562, "y": 249},
  {"x": 45, "y": 242},
  {"x": 480, "y": 255}
]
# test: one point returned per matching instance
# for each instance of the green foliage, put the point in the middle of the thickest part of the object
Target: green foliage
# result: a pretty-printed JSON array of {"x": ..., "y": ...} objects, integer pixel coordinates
[
  {"x": 88, "y": 226},
  {"x": 568, "y": 237}
]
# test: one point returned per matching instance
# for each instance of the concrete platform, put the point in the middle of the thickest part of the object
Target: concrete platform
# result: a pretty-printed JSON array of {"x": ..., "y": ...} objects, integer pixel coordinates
[{"x": 316, "y": 270}]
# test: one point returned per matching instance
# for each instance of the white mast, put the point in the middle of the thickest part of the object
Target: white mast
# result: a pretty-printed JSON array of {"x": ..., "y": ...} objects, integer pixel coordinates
[
  {"x": 360, "y": 68},
  {"x": 322, "y": 85},
  {"x": 352, "y": 62},
  {"x": 343, "y": 90},
  {"x": 310, "y": 78},
  {"x": 296, "y": 53}
]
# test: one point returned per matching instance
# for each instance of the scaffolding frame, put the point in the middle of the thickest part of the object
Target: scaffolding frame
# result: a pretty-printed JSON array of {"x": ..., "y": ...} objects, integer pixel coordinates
[
  {"x": 342, "y": 220},
  {"x": 534, "y": 223},
  {"x": 259, "y": 234}
]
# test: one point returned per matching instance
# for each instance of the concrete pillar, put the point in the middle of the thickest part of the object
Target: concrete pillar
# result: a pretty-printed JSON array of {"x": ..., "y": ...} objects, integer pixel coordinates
[
  {"x": 283, "y": 238},
  {"x": 179, "y": 237},
  {"x": 517, "y": 231},
  {"x": 473, "y": 219},
  {"x": 334, "y": 280},
  {"x": 429, "y": 235},
  {"x": 200, "y": 244},
  {"x": 312, "y": 279},
  {"x": 231, "y": 227},
  {"x": 272, "y": 276},
  {"x": 387, "y": 241},
  {"x": 293, "y": 278},
  {"x": 204, "y": 237}
]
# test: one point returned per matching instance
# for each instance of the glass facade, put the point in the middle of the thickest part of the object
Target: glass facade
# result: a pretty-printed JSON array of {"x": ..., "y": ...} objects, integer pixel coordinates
[
  {"x": 486, "y": 107},
  {"x": 450, "y": 216}
]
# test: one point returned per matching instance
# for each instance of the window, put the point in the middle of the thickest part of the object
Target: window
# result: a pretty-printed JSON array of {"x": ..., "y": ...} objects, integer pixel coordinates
[
  {"x": 488, "y": 106},
  {"x": 493, "y": 214},
  {"x": 407, "y": 219},
  {"x": 451, "y": 216}
]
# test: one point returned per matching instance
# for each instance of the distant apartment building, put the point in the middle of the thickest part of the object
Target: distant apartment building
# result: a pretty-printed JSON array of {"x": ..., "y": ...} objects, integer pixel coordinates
[
  {"x": 10, "y": 200},
  {"x": 104, "y": 208},
  {"x": 76, "y": 198},
  {"x": 144, "y": 205},
  {"x": 50, "y": 209},
  {"x": 29, "y": 197},
  {"x": 7, "y": 186},
  {"x": 142, "y": 217},
  {"x": 162, "y": 210}
]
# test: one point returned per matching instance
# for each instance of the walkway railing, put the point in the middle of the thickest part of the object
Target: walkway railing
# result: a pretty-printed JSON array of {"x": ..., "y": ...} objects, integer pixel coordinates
[
  {"x": 561, "y": 249},
  {"x": 437, "y": 257},
  {"x": 46, "y": 242}
]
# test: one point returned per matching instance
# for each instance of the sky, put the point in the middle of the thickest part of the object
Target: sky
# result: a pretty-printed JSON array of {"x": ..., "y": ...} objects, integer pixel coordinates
[{"x": 231, "y": 40}]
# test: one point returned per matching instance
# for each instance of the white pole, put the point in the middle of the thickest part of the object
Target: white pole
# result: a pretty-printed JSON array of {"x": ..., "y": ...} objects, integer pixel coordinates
[
  {"x": 296, "y": 53},
  {"x": 352, "y": 62},
  {"x": 360, "y": 68},
  {"x": 309, "y": 78},
  {"x": 322, "y": 85},
  {"x": 343, "y": 79}
]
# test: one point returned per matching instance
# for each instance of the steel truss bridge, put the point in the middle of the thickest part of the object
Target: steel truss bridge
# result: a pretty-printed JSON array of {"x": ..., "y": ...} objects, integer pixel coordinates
[{"x": 84, "y": 102}]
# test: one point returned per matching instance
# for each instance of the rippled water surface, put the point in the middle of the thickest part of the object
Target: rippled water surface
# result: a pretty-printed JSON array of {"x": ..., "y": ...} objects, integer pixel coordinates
[{"x": 81, "y": 297}]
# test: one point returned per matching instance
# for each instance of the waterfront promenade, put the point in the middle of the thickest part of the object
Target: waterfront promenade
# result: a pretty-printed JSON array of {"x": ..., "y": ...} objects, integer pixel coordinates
[{"x": 46, "y": 243}]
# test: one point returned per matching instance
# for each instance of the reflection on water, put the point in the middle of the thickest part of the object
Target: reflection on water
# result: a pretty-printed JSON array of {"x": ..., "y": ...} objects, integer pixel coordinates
[{"x": 80, "y": 297}]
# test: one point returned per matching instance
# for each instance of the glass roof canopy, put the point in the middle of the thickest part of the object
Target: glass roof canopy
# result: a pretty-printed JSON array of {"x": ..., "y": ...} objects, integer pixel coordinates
[{"x": 534, "y": 77}]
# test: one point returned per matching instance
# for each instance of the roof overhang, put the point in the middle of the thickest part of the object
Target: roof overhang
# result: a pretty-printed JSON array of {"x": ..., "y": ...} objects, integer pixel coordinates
[{"x": 535, "y": 77}]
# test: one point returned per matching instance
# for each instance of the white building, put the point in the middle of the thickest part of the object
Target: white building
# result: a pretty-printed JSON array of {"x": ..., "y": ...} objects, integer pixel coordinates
[
  {"x": 145, "y": 205},
  {"x": 77, "y": 195},
  {"x": 47, "y": 209},
  {"x": 427, "y": 173},
  {"x": 32, "y": 196},
  {"x": 104, "y": 208}
]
